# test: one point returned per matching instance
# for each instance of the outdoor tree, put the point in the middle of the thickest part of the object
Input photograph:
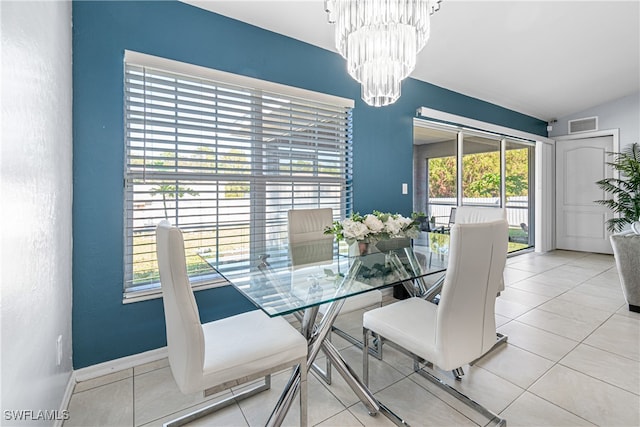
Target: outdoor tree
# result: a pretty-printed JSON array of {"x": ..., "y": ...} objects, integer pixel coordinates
[
  {"x": 171, "y": 192},
  {"x": 481, "y": 176},
  {"x": 442, "y": 177},
  {"x": 490, "y": 183},
  {"x": 166, "y": 190}
]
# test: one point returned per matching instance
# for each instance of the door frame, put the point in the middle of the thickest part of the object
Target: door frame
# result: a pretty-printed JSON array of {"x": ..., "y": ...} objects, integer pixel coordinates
[{"x": 614, "y": 133}]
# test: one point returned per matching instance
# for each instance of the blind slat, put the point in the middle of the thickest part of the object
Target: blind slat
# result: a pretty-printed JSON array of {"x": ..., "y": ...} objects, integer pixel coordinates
[{"x": 224, "y": 163}]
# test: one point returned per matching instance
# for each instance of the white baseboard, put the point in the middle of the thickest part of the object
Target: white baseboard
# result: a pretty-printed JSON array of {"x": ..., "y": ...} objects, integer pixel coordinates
[
  {"x": 115, "y": 365},
  {"x": 66, "y": 398}
]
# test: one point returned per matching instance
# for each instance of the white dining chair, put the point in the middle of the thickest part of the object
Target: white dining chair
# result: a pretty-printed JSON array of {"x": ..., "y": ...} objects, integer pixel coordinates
[
  {"x": 309, "y": 225},
  {"x": 475, "y": 215},
  {"x": 308, "y": 244},
  {"x": 450, "y": 222},
  {"x": 218, "y": 355},
  {"x": 470, "y": 215},
  {"x": 461, "y": 328}
]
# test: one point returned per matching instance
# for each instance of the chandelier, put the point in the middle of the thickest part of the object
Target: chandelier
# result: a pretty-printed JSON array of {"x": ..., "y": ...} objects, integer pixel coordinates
[{"x": 380, "y": 40}]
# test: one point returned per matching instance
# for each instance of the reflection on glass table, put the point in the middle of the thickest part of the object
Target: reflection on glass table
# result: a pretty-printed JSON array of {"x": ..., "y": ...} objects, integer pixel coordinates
[{"x": 277, "y": 288}]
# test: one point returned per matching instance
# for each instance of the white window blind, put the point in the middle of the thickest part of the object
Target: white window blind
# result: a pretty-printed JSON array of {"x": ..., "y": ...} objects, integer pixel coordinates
[{"x": 224, "y": 162}]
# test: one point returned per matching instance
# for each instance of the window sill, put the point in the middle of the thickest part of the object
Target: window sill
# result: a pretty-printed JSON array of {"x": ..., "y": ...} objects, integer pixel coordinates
[{"x": 197, "y": 284}]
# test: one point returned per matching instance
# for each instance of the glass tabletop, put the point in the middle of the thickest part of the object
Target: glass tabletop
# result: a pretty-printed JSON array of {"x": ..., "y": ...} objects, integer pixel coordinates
[{"x": 277, "y": 285}]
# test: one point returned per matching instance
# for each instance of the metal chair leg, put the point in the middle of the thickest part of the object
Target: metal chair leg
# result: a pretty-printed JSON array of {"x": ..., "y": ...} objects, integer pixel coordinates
[
  {"x": 458, "y": 373},
  {"x": 375, "y": 350},
  {"x": 500, "y": 339},
  {"x": 303, "y": 397},
  {"x": 365, "y": 356},
  {"x": 494, "y": 420},
  {"x": 210, "y": 409}
]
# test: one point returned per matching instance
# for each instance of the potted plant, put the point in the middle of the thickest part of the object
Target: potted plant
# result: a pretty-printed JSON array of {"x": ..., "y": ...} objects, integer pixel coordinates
[
  {"x": 625, "y": 202},
  {"x": 377, "y": 232},
  {"x": 363, "y": 233}
]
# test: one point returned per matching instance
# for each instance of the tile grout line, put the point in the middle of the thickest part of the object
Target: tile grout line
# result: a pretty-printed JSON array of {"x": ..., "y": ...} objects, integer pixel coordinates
[
  {"x": 559, "y": 363},
  {"x": 443, "y": 401}
]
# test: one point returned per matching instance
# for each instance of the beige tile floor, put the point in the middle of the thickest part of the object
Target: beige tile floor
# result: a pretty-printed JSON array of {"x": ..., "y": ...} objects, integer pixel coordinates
[{"x": 572, "y": 359}]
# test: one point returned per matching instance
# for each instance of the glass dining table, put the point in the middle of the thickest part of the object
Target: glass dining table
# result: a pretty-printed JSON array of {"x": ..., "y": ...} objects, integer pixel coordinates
[{"x": 276, "y": 286}]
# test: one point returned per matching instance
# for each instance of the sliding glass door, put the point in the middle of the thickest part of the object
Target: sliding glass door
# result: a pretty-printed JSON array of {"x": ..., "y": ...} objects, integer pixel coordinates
[
  {"x": 455, "y": 166},
  {"x": 435, "y": 174},
  {"x": 480, "y": 170},
  {"x": 519, "y": 161}
]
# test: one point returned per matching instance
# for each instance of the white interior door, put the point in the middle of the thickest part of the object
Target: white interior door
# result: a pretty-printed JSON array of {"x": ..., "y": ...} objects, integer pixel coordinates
[{"x": 580, "y": 223}]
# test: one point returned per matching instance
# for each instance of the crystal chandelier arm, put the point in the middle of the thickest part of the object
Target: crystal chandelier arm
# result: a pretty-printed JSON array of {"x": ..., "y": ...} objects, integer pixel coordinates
[{"x": 330, "y": 7}]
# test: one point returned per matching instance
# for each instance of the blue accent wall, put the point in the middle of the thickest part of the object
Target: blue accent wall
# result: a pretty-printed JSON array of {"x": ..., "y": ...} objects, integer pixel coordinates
[{"x": 103, "y": 327}]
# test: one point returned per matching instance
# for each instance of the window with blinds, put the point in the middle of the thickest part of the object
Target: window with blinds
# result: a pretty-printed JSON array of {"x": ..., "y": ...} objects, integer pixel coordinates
[{"x": 224, "y": 157}]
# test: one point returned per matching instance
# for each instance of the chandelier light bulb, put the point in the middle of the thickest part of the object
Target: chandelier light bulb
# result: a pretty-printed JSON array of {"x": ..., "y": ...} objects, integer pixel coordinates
[{"x": 380, "y": 40}]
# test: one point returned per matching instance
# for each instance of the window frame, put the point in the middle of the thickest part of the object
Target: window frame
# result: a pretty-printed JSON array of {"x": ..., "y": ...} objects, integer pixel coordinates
[{"x": 258, "y": 182}]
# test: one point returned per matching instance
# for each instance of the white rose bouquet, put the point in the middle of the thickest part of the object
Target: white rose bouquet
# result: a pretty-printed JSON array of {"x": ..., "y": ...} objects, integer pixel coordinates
[{"x": 375, "y": 226}]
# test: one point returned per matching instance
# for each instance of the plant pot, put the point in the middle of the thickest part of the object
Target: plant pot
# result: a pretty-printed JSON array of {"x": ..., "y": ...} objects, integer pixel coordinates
[
  {"x": 382, "y": 246},
  {"x": 626, "y": 250},
  {"x": 361, "y": 247},
  {"x": 394, "y": 244}
]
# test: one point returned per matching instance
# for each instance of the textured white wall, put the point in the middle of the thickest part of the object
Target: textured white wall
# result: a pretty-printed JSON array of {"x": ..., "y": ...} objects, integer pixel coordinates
[
  {"x": 622, "y": 113},
  {"x": 35, "y": 207}
]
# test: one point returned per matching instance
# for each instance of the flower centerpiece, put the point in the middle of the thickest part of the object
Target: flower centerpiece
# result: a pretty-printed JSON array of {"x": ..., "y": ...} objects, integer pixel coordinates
[{"x": 371, "y": 228}]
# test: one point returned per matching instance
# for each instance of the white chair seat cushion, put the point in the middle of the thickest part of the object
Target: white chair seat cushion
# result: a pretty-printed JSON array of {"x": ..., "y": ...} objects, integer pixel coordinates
[
  {"x": 410, "y": 323},
  {"x": 248, "y": 343}
]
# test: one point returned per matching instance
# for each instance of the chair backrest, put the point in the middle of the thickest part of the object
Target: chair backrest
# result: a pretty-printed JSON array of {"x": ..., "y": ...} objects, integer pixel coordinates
[
  {"x": 185, "y": 339},
  {"x": 452, "y": 217},
  {"x": 466, "y": 327},
  {"x": 473, "y": 214},
  {"x": 307, "y": 242}
]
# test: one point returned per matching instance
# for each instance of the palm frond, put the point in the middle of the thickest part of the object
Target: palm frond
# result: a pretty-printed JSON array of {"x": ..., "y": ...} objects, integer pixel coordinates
[
  {"x": 625, "y": 190},
  {"x": 616, "y": 224}
]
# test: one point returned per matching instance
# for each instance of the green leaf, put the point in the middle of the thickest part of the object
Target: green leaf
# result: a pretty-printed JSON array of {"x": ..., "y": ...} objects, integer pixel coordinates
[{"x": 625, "y": 189}]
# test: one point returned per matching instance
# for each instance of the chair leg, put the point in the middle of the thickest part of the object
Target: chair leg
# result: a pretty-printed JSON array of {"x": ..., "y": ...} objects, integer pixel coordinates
[
  {"x": 207, "y": 410},
  {"x": 326, "y": 374},
  {"x": 291, "y": 389},
  {"x": 303, "y": 397},
  {"x": 458, "y": 373},
  {"x": 365, "y": 356},
  {"x": 375, "y": 350},
  {"x": 500, "y": 339},
  {"x": 495, "y": 420}
]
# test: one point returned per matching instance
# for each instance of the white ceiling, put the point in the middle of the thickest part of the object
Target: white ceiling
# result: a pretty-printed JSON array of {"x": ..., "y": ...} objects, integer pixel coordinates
[{"x": 547, "y": 59}]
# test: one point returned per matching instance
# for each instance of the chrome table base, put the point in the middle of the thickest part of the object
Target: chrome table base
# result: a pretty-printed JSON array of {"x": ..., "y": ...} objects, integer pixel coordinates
[
  {"x": 317, "y": 335},
  {"x": 318, "y": 340}
]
